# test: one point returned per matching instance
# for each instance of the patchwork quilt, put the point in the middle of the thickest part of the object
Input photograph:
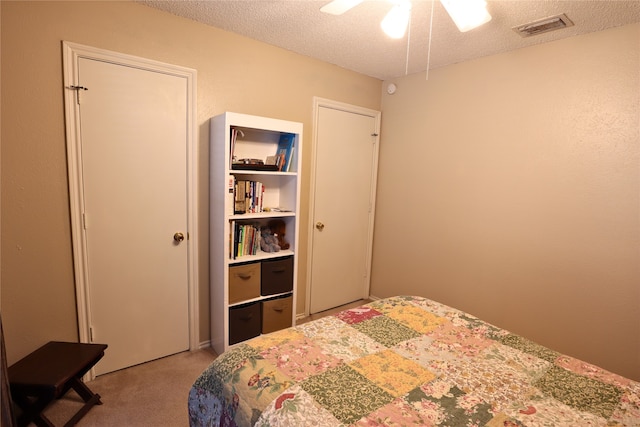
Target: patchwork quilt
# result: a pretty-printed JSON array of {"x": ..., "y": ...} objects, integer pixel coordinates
[{"x": 406, "y": 361}]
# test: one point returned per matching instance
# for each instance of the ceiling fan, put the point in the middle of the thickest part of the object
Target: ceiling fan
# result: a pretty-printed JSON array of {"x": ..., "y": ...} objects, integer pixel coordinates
[{"x": 467, "y": 14}]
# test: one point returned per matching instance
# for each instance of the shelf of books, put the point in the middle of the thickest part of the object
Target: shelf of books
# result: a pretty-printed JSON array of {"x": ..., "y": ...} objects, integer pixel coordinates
[{"x": 254, "y": 204}]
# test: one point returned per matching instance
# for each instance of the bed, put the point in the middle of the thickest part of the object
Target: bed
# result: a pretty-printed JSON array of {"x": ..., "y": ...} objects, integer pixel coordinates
[{"x": 406, "y": 361}]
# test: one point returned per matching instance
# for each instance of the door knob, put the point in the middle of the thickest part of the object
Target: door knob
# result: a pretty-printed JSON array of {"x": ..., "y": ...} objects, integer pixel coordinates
[
  {"x": 178, "y": 237},
  {"x": 319, "y": 226}
]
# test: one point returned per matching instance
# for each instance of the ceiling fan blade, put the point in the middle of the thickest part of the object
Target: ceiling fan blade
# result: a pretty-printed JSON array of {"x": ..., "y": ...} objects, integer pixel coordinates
[
  {"x": 396, "y": 21},
  {"x": 338, "y": 7}
]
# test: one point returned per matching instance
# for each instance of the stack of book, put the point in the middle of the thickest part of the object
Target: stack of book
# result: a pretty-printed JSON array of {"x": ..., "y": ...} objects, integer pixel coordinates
[
  {"x": 245, "y": 239},
  {"x": 248, "y": 196}
]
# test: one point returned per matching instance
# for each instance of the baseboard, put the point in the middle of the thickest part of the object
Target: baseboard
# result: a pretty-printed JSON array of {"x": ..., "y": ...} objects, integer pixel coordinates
[{"x": 204, "y": 344}]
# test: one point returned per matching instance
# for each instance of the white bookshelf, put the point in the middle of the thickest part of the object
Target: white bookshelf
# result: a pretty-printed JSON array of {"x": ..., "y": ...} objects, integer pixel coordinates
[{"x": 257, "y": 139}]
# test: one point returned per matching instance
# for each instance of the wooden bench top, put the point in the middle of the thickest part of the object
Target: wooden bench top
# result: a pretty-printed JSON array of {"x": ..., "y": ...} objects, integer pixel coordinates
[{"x": 53, "y": 365}]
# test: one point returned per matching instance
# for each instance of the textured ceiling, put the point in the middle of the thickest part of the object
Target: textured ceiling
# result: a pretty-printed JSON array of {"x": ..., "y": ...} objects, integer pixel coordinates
[{"x": 355, "y": 41}]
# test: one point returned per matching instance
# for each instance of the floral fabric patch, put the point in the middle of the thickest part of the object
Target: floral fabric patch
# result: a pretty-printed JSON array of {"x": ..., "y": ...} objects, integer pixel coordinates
[
  {"x": 295, "y": 407},
  {"x": 258, "y": 382},
  {"x": 386, "y": 331},
  {"x": 357, "y": 315},
  {"x": 460, "y": 340},
  {"x": 300, "y": 359},
  {"x": 274, "y": 339},
  {"x": 582, "y": 393},
  {"x": 546, "y": 412},
  {"x": 527, "y": 346},
  {"x": 339, "y": 339},
  {"x": 425, "y": 351},
  {"x": 392, "y": 372},
  {"x": 588, "y": 370},
  {"x": 495, "y": 383},
  {"x": 346, "y": 393},
  {"x": 447, "y": 405},
  {"x": 416, "y": 318},
  {"x": 203, "y": 405}
]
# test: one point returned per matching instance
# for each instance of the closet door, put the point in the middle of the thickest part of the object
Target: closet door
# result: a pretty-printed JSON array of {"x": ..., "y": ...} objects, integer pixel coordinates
[
  {"x": 344, "y": 181},
  {"x": 131, "y": 166}
]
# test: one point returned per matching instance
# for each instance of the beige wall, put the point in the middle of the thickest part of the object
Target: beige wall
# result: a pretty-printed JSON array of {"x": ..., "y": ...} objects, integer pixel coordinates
[
  {"x": 523, "y": 207},
  {"x": 509, "y": 187},
  {"x": 234, "y": 74}
]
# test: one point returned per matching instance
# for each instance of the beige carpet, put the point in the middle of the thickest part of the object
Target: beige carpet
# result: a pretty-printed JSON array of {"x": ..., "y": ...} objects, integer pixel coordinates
[{"x": 151, "y": 394}]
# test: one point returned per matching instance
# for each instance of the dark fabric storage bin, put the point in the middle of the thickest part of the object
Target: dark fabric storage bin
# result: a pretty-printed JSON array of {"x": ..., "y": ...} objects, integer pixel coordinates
[
  {"x": 277, "y": 314},
  {"x": 245, "y": 322},
  {"x": 276, "y": 276}
]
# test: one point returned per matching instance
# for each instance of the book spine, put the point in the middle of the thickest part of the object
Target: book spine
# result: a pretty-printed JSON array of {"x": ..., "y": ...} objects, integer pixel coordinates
[
  {"x": 231, "y": 197},
  {"x": 247, "y": 196},
  {"x": 240, "y": 199}
]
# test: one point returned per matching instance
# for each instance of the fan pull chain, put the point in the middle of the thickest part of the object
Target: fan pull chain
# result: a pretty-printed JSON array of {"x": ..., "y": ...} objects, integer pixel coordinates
[
  {"x": 406, "y": 66},
  {"x": 429, "y": 48}
]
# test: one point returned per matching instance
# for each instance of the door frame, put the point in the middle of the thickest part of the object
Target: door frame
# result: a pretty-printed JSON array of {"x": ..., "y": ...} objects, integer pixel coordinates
[
  {"x": 72, "y": 52},
  {"x": 336, "y": 105}
]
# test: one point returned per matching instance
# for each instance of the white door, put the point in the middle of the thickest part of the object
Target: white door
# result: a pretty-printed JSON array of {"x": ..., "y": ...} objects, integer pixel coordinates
[
  {"x": 345, "y": 174},
  {"x": 133, "y": 141}
]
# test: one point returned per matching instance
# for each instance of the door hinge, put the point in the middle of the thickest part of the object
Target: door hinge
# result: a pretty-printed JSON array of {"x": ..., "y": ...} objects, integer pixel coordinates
[
  {"x": 90, "y": 333},
  {"x": 84, "y": 220},
  {"x": 79, "y": 90}
]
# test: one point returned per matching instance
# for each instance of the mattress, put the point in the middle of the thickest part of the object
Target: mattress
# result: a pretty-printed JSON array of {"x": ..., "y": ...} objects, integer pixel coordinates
[{"x": 406, "y": 361}]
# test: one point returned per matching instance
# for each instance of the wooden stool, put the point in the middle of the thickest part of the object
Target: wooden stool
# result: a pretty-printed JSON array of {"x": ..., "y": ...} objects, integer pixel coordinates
[{"x": 47, "y": 374}]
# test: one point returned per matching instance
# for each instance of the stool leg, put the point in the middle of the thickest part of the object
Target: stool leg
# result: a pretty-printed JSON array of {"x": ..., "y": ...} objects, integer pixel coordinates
[
  {"x": 83, "y": 391},
  {"x": 42, "y": 421},
  {"x": 81, "y": 413},
  {"x": 32, "y": 411},
  {"x": 90, "y": 398}
]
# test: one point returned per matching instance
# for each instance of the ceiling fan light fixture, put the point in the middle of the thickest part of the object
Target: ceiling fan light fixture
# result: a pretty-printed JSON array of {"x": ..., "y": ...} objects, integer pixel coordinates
[
  {"x": 339, "y": 7},
  {"x": 467, "y": 14},
  {"x": 396, "y": 21}
]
